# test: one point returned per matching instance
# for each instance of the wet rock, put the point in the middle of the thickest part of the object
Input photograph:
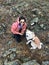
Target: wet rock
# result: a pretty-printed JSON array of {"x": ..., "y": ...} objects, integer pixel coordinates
[
  {"x": 32, "y": 62},
  {"x": 12, "y": 56},
  {"x": 2, "y": 28},
  {"x": 8, "y": 1},
  {"x": 47, "y": 41},
  {"x": 9, "y": 42},
  {"x": 1, "y": 62},
  {"x": 45, "y": 63},
  {"x": 13, "y": 49},
  {"x": 9, "y": 56},
  {"x": 33, "y": 24},
  {"x": 11, "y": 63},
  {"x": 25, "y": 59},
  {"x": 35, "y": 20},
  {"x": 12, "y": 45},
  {"x": 48, "y": 35},
  {"x": 20, "y": 7},
  {"x": 42, "y": 25},
  {"x": 5, "y": 53},
  {"x": 10, "y": 11},
  {"x": 36, "y": 11}
]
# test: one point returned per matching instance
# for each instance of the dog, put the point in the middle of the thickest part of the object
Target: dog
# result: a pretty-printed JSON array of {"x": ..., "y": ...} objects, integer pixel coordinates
[{"x": 33, "y": 40}]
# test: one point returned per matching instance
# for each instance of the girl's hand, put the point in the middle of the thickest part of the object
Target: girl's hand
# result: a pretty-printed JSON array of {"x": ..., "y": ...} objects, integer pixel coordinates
[{"x": 20, "y": 34}]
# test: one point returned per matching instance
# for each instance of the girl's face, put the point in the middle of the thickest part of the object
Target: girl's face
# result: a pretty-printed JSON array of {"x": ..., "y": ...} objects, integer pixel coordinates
[{"x": 22, "y": 22}]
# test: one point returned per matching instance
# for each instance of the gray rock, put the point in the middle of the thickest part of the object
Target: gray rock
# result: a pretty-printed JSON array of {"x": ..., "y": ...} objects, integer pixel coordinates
[
  {"x": 13, "y": 49},
  {"x": 16, "y": 63},
  {"x": 1, "y": 30},
  {"x": 11, "y": 63},
  {"x": 44, "y": 28},
  {"x": 41, "y": 25},
  {"x": 32, "y": 62},
  {"x": 10, "y": 11},
  {"x": 8, "y": 52},
  {"x": 36, "y": 11},
  {"x": 9, "y": 42},
  {"x": 24, "y": 59},
  {"x": 1, "y": 62},
  {"x": 34, "y": 20},
  {"x": 8, "y": 1},
  {"x": 45, "y": 63},
  {"x": 20, "y": 7},
  {"x": 48, "y": 35},
  {"x": 12, "y": 56}
]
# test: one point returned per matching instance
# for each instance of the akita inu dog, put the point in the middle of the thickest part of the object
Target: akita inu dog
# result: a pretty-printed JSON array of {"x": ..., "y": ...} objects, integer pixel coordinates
[{"x": 33, "y": 39}]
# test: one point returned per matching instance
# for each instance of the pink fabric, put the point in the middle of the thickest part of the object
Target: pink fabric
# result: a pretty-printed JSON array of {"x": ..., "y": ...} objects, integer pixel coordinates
[{"x": 15, "y": 29}]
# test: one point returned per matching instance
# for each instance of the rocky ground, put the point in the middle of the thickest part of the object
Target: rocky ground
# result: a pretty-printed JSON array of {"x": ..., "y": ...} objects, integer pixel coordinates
[{"x": 35, "y": 11}]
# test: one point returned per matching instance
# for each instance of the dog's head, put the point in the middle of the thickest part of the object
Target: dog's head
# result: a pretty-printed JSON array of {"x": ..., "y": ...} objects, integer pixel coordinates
[{"x": 29, "y": 34}]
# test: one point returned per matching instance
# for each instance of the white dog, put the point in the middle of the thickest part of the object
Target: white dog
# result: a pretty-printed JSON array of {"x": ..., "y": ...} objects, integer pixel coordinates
[{"x": 33, "y": 39}]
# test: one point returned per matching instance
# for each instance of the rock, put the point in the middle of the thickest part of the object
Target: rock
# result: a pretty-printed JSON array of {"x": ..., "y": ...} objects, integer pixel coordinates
[
  {"x": 8, "y": 1},
  {"x": 2, "y": 49},
  {"x": 48, "y": 35},
  {"x": 32, "y": 62},
  {"x": 20, "y": 7},
  {"x": 10, "y": 51},
  {"x": 34, "y": 24},
  {"x": 36, "y": 11},
  {"x": 25, "y": 59},
  {"x": 10, "y": 11},
  {"x": 41, "y": 25},
  {"x": 13, "y": 45},
  {"x": 9, "y": 42},
  {"x": 45, "y": 63},
  {"x": 11, "y": 63},
  {"x": 2, "y": 28},
  {"x": 1, "y": 62},
  {"x": 44, "y": 28},
  {"x": 6, "y": 53},
  {"x": 13, "y": 49},
  {"x": 12, "y": 56},
  {"x": 1, "y": 46},
  {"x": 34, "y": 20}
]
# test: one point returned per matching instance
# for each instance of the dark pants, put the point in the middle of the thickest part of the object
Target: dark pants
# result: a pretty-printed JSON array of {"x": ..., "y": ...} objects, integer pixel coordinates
[{"x": 18, "y": 37}]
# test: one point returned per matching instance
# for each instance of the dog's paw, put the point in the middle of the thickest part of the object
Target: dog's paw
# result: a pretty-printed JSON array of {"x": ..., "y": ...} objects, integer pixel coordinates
[
  {"x": 39, "y": 47},
  {"x": 32, "y": 48},
  {"x": 27, "y": 43}
]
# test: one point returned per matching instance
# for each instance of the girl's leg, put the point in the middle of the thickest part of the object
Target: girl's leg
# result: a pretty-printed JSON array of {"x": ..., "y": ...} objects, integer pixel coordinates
[{"x": 17, "y": 37}]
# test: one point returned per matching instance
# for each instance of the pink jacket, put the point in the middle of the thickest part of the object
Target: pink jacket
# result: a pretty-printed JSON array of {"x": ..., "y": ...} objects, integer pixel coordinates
[{"x": 15, "y": 29}]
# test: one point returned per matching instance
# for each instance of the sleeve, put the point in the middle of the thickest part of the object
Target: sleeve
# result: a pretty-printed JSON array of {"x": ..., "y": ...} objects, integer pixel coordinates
[{"x": 13, "y": 28}]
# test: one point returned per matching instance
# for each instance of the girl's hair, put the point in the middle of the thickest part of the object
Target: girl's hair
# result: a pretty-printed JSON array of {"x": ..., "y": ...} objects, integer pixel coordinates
[{"x": 21, "y": 17}]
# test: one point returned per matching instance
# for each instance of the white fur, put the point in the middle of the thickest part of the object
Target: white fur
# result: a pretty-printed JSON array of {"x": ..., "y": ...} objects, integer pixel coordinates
[{"x": 30, "y": 35}]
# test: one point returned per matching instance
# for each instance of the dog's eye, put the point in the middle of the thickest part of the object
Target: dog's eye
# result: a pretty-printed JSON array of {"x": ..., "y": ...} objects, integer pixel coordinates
[{"x": 26, "y": 35}]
